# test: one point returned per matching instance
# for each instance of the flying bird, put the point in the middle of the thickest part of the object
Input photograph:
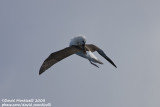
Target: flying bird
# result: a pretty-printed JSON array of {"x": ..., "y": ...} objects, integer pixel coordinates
[{"x": 77, "y": 46}]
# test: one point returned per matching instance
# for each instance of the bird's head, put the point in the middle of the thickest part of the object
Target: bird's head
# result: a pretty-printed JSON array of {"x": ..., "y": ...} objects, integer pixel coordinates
[{"x": 79, "y": 40}]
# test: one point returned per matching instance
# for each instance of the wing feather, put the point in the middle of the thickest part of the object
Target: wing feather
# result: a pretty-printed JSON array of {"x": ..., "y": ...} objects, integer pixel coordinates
[
  {"x": 93, "y": 48},
  {"x": 58, "y": 56}
]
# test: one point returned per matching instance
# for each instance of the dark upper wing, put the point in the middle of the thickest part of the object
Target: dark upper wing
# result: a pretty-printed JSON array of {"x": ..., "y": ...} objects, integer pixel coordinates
[
  {"x": 93, "y": 48},
  {"x": 57, "y": 56}
]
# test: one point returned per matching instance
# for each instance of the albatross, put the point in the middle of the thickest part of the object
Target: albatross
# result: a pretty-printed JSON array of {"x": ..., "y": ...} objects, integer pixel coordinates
[{"x": 77, "y": 46}]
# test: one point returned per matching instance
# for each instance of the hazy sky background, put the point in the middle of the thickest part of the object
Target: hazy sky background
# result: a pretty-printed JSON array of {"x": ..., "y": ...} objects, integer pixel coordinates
[{"x": 127, "y": 30}]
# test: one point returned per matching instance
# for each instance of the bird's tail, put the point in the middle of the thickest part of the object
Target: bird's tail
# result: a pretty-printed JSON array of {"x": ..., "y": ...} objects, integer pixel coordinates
[{"x": 97, "y": 61}]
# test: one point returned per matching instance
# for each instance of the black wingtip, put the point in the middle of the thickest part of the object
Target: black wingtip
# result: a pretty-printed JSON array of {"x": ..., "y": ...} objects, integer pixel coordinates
[
  {"x": 106, "y": 57},
  {"x": 41, "y": 71},
  {"x": 115, "y": 66},
  {"x": 112, "y": 63}
]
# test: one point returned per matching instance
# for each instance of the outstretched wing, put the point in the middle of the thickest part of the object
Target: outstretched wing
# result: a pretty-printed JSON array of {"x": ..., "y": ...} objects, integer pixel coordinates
[
  {"x": 58, "y": 56},
  {"x": 93, "y": 48}
]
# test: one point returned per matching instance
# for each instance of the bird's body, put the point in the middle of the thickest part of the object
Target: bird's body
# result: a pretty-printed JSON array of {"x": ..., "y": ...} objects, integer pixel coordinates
[
  {"x": 86, "y": 53},
  {"x": 90, "y": 56},
  {"x": 77, "y": 46}
]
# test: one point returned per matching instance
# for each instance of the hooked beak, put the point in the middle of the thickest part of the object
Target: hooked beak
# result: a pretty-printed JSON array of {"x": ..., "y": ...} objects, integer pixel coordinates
[{"x": 83, "y": 45}]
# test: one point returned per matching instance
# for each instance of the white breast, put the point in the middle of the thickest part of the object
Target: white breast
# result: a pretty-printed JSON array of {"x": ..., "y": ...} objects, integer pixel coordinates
[{"x": 89, "y": 55}]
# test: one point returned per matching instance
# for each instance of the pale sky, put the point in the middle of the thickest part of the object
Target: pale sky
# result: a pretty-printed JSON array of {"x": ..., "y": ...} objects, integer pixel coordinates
[{"x": 128, "y": 31}]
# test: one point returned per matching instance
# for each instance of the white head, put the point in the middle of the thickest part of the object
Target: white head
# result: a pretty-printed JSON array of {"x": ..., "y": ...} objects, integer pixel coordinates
[{"x": 79, "y": 40}]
